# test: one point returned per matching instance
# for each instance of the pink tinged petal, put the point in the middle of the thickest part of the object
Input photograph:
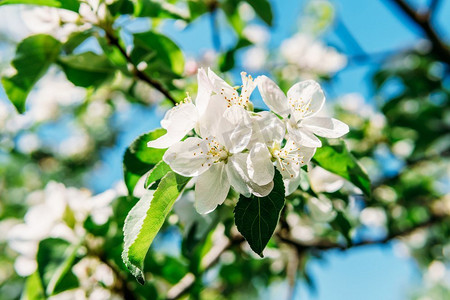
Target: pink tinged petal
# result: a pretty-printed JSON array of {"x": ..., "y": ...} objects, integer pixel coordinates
[
  {"x": 260, "y": 166},
  {"x": 211, "y": 188},
  {"x": 188, "y": 158},
  {"x": 305, "y": 98},
  {"x": 237, "y": 175},
  {"x": 267, "y": 128},
  {"x": 178, "y": 121},
  {"x": 326, "y": 127},
  {"x": 273, "y": 96},
  {"x": 235, "y": 129},
  {"x": 302, "y": 136},
  {"x": 205, "y": 89}
]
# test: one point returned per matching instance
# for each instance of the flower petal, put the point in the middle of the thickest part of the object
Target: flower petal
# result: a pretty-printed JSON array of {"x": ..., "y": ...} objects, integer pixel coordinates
[
  {"x": 326, "y": 127},
  {"x": 236, "y": 171},
  {"x": 235, "y": 129},
  {"x": 267, "y": 128},
  {"x": 303, "y": 137},
  {"x": 321, "y": 209},
  {"x": 211, "y": 188},
  {"x": 305, "y": 98},
  {"x": 209, "y": 122},
  {"x": 220, "y": 87},
  {"x": 260, "y": 166},
  {"x": 188, "y": 158},
  {"x": 205, "y": 89},
  {"x": 178, "y": 121},
  {"x": 273, "y": 96}
]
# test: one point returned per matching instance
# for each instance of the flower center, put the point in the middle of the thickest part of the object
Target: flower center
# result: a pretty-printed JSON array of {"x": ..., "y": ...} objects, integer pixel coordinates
[{"x": 217, "y": 151}]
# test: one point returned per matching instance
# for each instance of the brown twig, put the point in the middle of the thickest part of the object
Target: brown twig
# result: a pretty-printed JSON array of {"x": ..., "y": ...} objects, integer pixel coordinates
[
  {"x": 439, "y": 48},
  {"x": 114, "y": 41}
]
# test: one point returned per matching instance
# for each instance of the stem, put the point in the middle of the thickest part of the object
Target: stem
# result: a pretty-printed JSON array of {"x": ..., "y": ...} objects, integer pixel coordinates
[
  {"x": 113, "y": 40},
  {"x": 439, "y": 48}
]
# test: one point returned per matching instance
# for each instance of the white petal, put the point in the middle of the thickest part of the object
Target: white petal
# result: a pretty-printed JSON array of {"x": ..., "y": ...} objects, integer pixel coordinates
[
  {"x": 321, "y": 209},
  {"x": 188, "y": 158},
  {"x": 261, "y": 190},
  {"x": 220, "y": 87},
  {"x": 291, "y": 184},
  {"x": 235, "y": 130},
  {"x": 210, "y": 120},
  {"x": 260, "y": 166},
  {"x": 273, "y": 96},
  {"x": 267, "y": 128},
  {"x": 236, "y": 170},
  {"x": 305, "y": 98},
  {"x": 178, "y": 121},
  {"x": 211, "y": 188},
  {"x": 204, "y": 91},
  {"x": 326, "y": 127},
  {"x": 303, "y": 137}
]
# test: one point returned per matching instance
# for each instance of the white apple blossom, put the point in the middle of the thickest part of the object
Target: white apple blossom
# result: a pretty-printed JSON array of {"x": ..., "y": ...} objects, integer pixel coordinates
[
  {"x": 214, "y": 95},
  {"x": 311, "y": 56},
  {"x": 299, "y": 109},
  {"x": 321, "y": 209}
]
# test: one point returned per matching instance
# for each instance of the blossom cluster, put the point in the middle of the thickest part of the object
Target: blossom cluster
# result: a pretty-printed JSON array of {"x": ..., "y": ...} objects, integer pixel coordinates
[{"x": 234, "y": 146}]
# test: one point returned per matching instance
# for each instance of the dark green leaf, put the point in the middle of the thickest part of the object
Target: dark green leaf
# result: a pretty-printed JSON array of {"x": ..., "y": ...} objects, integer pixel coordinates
[
  {"x": 55, "y": 259},
  {"x": 342, "y": 224},
  {"x": 160, "y": 53},
  {"x": 76, "y": 39},
  {"x": 146, "y": 219},
  {"x": 121, "y": 7},
  {"x": 33, "y": 57},
  {"x": 158, "y": 9},
  {"x": 139, "y": 158},
  {"x": 86, "y": 69},
  {"x": 263, "y": 10},
  {"x": 72, "y": 5},
  {"x": 337, "y": 159},
  {"x": 256, "y": 218}
]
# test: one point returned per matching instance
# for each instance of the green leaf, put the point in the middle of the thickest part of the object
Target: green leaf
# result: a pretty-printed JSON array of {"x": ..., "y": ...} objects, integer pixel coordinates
[
  {"x": 337, "y": 159},
  {"x": 121, "y": 7},
  {"x": 145, "y": 220},
  {"x": 160, "y": 53},
  {"x": 55, "y": 259},
  {"x": 72, "y": 5},
  {"x": 342, "y": 224},
  {"x": 158, "y": 9},
  {"x": 33, "y": 288},
  {"x": 33, "y": 57},
  {"x": 76, "y": 39},
  {"x": 86, "y": 69},
  {"x": 256, "y": 218},
  {"x": 157, "y": 173},
  {"x": 263, "y": 9},
  {"x": 139, "y": 158}
]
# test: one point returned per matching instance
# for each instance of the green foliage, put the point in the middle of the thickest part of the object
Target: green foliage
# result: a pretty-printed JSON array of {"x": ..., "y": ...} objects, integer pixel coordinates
[
  {"x": 33, "y": 288},
  {"x": 256, "y": 218},
  {"x": 157, "y": 173},
  {"x": 86, "y": 69},
  {"x": 139, "y": 158},
  {"x": 72, "y": 5},
  {"x": 33, "y": 57},
  {"x": 335, "y": 158},
  {"x": 163, "y": 57},
  {"x": 263, "y": 9},
  {"x": 55, "y": 259},
  {"x": 146, "y": 219}
]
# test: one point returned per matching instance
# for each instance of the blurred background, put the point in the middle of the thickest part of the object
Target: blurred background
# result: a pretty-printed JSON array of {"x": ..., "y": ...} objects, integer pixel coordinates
[{"x": 97, "y": 74}]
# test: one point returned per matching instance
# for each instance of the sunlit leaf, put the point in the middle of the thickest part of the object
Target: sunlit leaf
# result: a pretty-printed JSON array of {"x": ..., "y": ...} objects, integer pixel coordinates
[
  {"x": 145, "y": 220},
  {"x": 256, "y": 218},
  {"x": 157, "y": 173},
  {"x": 33, "y": 57},
  {"x": 337, "y": 159},
  {"x": 139, "y": 158},
  {"x": 33, "y": 288},
  {"x": 73, "y": 5}
]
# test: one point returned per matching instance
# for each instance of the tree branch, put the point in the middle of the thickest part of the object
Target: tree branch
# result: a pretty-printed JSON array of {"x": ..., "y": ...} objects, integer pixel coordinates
[
  {"x": 209, "y": 260},
  {"x": 439, "y": 48},
  {"x": 114, "y": 41}
]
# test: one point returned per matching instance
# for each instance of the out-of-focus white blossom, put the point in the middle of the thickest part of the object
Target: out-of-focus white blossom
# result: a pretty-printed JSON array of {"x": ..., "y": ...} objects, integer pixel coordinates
[
  {"x": 321, "y": 209},
  {"x": 322, "y": 180},
  {"x": 255, "y": 58},
  {"x": 47, "y": 217},
  {"x": 311, "y": 56},
  {"x": 436, "y": 272},
  {"x": 256, "y": 34},
  {"x": 373, "y": 217}
]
